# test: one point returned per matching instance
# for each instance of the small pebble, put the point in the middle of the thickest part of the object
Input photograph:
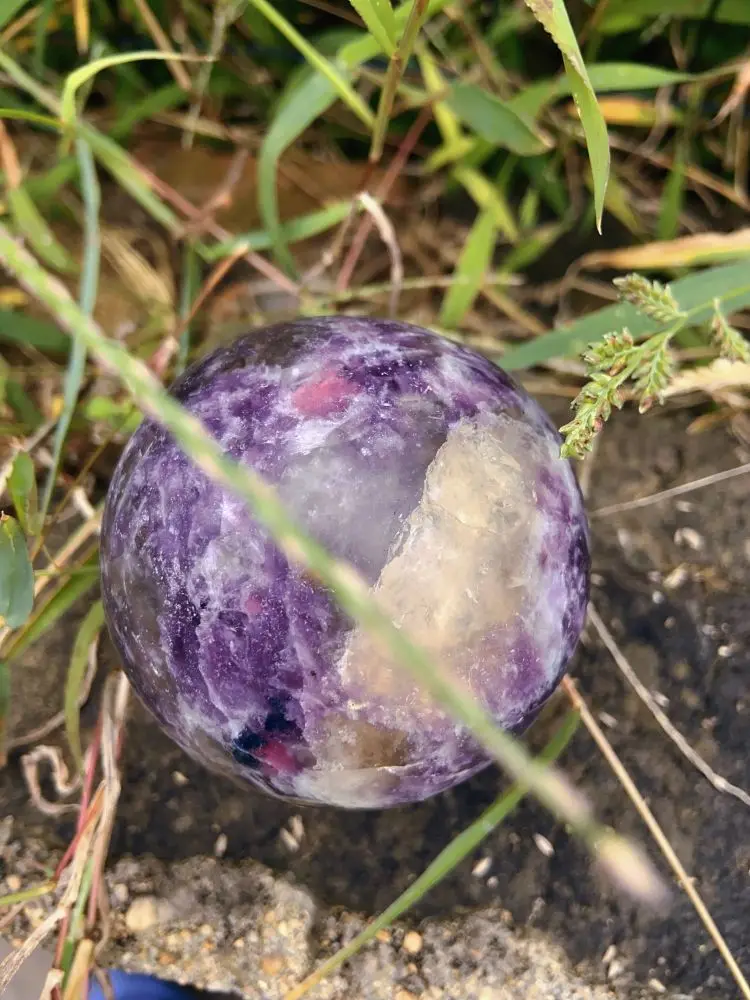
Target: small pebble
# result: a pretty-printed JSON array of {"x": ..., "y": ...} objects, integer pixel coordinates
[
  {"x": 676, "y": 578},
  {"x": 121, "y": 893},
  {"x": 288, "y": 839},
  {"x": 220, "y": 847},
  {"x": 412, "y": 942},
  {"x": 616, "y": 969},
  {"x": 657, "y": 986},
  {"x": 13, "y": 882},
  {"x": 544, "y": 845},
  {"x": 609, "y": 955},
  {"x": 482, "y": 866},
  {"x": 689, "y": 537},
  {"x": 146, "y": 912},
  {"x": 272, "y": 964},
  {"x": 179, "y": 778}
]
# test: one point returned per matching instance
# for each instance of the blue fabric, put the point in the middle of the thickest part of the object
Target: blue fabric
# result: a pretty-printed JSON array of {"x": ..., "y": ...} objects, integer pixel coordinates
[{"x": 134, "y": 987}]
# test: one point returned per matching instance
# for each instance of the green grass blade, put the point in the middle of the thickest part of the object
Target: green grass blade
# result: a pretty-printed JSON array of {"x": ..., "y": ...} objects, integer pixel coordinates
[
  {"x": 122, "y": 168},
  {"x": 471, "y": 268},
  {"x": 350, "y": 590},
  {"x": 31, "y": 223},
  {"x": 33, "y": 117},
  {"x": 23, "y": 492},
  {"x": 189, "y": 289},
  {"x": 301, "y": 228},
  {"x": 83, "y": 74},
  {"x": 379, "y": 21},
  {"x": 16, "y": 574},
  {"x": 309, "y": 98},
  {"x": 9, "y": 10},
  {"x": 87, "y": 297},
  {"x": 21, "y": 403},
  {"x": 87, "y": 632},
  {"x": 554, "y": 18},
  {"x": 673, "y": 195},
  {"x": 299, "y": 111},
  {"x": 629, "y": 15},
  {"x": 53, "y": 607},
  {"x": 488, "y": 196},
  {"x": 605, "y": 78},
  {"x": 396, "y": 67},
  {"x": 17, "y": 328},
  {"x": 163, "y": 99},
  {"x": 325, "y": 67},
  {"x": 448, "y": 859},
  {"x": 494, "y": 120},
  {"x": 695, "y": 293}
]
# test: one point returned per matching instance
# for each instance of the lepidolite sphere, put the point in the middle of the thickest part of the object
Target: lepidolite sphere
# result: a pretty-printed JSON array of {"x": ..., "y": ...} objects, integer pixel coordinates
[{"x": 418, "y": 461}]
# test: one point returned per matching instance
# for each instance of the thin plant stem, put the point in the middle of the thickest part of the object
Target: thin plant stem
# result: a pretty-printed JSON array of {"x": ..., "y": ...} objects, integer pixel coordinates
[
  {"x": 393, "y": 76},
  {"x": 87, "y": 297},
  {"x": 718, "y": 781},
  {"x": 624, "y": 862},
  {"x": 674, "y": 491},
  {"x": 448, "y": 859},
  {"x": 656, "y": 832}
]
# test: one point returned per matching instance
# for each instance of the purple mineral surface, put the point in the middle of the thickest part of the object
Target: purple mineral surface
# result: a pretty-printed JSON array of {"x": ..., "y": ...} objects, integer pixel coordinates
[{"x": 415, "y": 459}]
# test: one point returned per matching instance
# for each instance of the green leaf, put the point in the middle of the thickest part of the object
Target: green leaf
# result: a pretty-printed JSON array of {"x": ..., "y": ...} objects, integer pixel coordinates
[
  {"x": 338, "y": 80},
  {"x": 17, "y": 328},
  {"x": 298, "y": 112},
  {"x": 21, "y": 114},
  {"x": 16, "y": 574},
  {"x": 25, "y": 895},
  {"x": 379, "y": 20},
  {"x": 31, "y": 224},
  {"x": 455, "y": 145},
  {"x": 75, "y": 80},
  {"x": 9, "y": 10},
  {"x": 695, "y": 295},
  {"x": 292, "y": 231},
  {"x": 553, "y": 16},
  {"x": 19, "y": 401},
  {"x": 471, "y": 268},
  {"x": 495, "y": 121},
  {"x": 488, "y": 196},
  {"x": 299, "y": 107},
  {"x": 628, "y": 15},
  {"x": 87, "y": 632},
  {"x": 55, "y": 605},
  {"x": 163, "y": 99},
  {"x": 122, "y": 168},
  {"x": 605, "y": 78},
  {"x": 673, "y": 195},
  {"x": 23, "y": 492}
]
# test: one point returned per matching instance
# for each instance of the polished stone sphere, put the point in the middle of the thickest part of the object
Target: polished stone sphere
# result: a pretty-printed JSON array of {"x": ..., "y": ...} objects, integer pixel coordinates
[{"x": 419, "y": 462}]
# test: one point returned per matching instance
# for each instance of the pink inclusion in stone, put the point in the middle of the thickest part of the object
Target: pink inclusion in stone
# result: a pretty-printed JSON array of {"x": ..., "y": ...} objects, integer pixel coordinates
[{"x": 416, "y": 460}]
